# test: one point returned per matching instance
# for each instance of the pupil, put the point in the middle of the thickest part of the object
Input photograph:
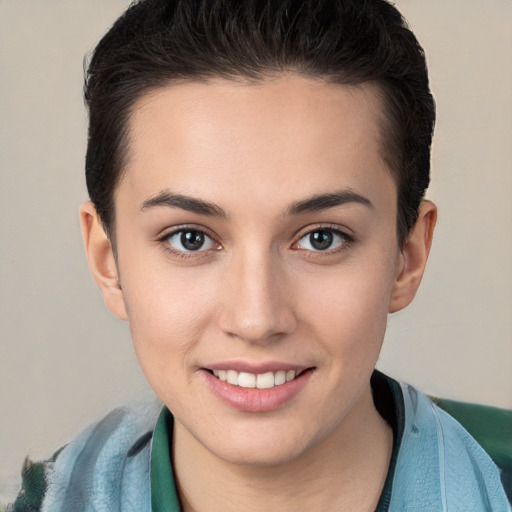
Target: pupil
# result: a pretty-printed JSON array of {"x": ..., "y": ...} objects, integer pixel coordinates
[
  {"x": 192, "y": 240},
  {"x": 321, "y": 240}
]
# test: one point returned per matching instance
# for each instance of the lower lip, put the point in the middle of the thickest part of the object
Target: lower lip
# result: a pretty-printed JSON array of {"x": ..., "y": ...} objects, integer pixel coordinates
[{"x": 254, "y": 399}]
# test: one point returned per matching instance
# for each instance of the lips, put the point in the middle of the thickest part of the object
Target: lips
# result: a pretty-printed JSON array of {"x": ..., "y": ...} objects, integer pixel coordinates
[{"x": 256, "y": 389}]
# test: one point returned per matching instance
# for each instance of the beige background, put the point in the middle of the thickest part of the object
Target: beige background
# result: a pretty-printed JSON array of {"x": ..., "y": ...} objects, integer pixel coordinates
[{"x": 64, "y": 359}]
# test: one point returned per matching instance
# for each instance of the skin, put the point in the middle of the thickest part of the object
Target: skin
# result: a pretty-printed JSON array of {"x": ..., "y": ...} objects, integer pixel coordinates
[{"x": 259, "y": 291}]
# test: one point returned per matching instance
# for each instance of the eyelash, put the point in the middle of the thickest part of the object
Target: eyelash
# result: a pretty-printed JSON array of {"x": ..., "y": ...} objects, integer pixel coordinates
[
  {"x": 346, "y": 240},
  {"x": 164, "y": 241}
]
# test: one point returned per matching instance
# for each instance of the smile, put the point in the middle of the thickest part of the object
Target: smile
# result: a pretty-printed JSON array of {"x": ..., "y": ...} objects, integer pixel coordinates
[
  {"x": 265, "y": 380},
  {"x": 253, "y": 389}
]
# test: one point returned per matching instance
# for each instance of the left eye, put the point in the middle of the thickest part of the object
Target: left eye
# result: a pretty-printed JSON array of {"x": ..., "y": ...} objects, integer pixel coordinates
[
  {"x": 190, "y": 240},
  {"x": 322, "y": 240}
]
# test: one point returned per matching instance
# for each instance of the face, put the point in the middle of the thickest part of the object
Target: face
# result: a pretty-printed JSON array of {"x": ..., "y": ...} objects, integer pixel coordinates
[{"x": 258, "y": 259}]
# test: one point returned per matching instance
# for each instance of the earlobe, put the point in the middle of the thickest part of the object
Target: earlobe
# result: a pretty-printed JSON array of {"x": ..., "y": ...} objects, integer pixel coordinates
[
  {"x": 413, "y": 257},
  {"x": 101, "y": 260}
]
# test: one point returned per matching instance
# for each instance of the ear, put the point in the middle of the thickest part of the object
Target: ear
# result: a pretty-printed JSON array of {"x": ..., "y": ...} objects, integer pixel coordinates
[
  {"x": 101, "y": 260},
  {"x": 413, "y": 257}
]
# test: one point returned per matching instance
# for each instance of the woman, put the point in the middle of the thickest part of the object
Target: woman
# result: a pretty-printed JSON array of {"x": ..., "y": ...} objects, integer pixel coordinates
[{"x": 256, "y": 174}]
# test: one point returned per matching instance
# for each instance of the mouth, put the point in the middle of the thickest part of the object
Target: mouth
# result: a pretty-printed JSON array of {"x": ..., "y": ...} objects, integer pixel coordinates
[
  {"x": 253, "y": 387},
  {"x": 267, "y": 380},
  {"x": 257, "y": 389}
]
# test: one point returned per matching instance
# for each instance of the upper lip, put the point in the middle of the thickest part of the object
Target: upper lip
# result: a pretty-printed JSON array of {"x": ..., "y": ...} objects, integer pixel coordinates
[{"x": 256, "y": 368}]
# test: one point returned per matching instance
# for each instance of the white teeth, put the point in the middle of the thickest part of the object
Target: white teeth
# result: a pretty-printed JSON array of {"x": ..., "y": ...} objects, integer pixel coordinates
[
  {"x": 232, "y": 377},
  {"x": 247, "y": 380},
  {"x": 280, "y": 378},
  {"x": 265, "y": 380},
  {"x": 290, "y": 375}
]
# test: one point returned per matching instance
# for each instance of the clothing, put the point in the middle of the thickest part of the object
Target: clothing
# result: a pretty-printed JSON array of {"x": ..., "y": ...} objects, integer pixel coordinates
[{"x": 123, "y": 462}]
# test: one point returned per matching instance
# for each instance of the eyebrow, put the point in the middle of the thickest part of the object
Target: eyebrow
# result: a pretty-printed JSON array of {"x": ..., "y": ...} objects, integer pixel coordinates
[
  {"x": 187, "y": 203},
  {"x": 324, "y": 201}
]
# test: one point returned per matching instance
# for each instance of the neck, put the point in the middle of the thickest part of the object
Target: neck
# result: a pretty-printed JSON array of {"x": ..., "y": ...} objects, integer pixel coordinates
[{"x": 345, "y": 471}]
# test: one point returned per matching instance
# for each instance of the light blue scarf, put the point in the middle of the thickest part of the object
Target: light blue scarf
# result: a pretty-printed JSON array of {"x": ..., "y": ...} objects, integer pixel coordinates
[{"x": 440, "y": 468}]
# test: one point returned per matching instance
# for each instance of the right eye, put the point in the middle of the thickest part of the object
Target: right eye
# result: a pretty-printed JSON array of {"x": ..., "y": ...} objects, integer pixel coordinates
[{"x": 190, "y": 240}]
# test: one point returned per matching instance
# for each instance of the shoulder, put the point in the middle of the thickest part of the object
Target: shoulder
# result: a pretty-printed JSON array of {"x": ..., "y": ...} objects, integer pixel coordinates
[
  {"x": 440, "y": 465},
  {"x": 491, "y": 427},
  {"x": 106, "y": 467}
]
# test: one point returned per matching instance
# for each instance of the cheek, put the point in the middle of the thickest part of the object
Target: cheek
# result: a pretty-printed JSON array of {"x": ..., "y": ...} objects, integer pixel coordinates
[
  {"x": 167, "y": 313},
  {"x": 349, "y": 307}
]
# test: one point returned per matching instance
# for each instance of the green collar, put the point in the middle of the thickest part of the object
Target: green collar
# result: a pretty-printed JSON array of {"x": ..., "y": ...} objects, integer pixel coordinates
[
  {"x": 389, "y": 401},
  {"x": 164, "y": 497}
]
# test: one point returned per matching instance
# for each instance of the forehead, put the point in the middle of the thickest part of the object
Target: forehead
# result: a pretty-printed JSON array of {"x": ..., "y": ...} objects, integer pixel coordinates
[{"x": 287, "y": 133}]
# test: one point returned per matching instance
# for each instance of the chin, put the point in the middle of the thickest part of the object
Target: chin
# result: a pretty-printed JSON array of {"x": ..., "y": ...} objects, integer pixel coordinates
[
  {"x": 259, "y": 458},
  {"x": 265, "y": 451}
]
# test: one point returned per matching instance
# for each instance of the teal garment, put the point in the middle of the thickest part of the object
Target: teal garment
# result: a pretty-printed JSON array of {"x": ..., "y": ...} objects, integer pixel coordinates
[
  {"x": 106, "y": 468},
  {"x": 492, "y": 429},
  {"x": 164, "y": 496},
  {"x": 123, "y": 463},
  {"x": 440, "y": 466}
]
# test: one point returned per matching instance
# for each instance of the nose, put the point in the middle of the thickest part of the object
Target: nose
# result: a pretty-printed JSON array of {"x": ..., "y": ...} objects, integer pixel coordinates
[{"x": 256, "y": 302}]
